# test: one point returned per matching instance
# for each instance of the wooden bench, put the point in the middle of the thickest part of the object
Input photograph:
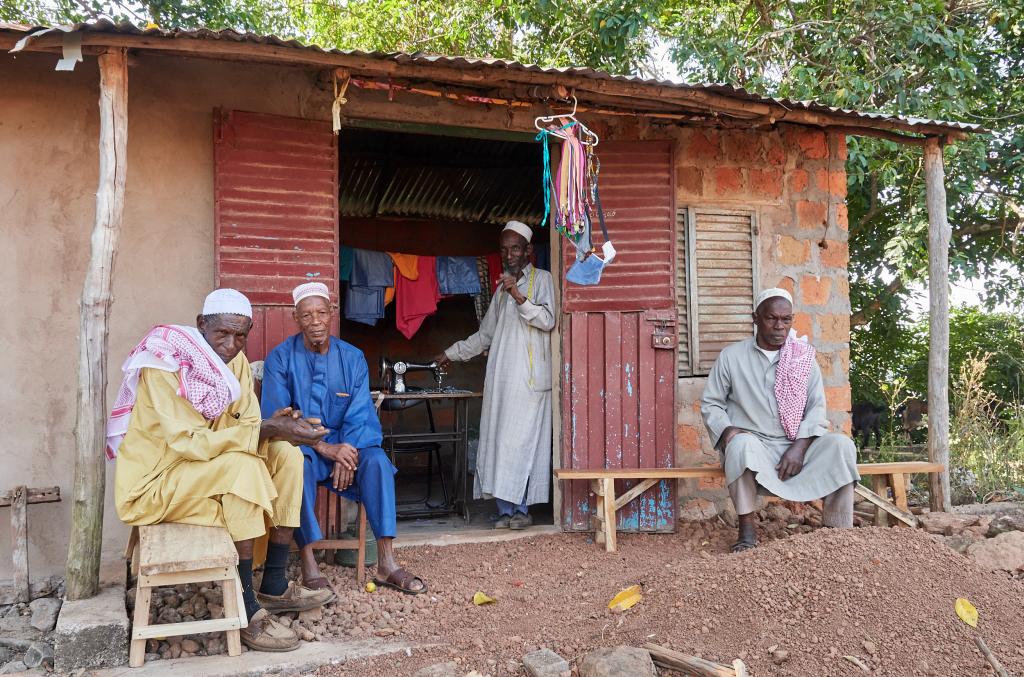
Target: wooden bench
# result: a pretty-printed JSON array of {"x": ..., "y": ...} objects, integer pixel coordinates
[
  {"x": 172, "y": 554},
  {"x": 602, "y": 484}
]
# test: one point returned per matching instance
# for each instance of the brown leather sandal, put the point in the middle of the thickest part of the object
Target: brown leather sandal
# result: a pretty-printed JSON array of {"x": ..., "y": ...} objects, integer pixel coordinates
[{"x": 399, "y": 579}]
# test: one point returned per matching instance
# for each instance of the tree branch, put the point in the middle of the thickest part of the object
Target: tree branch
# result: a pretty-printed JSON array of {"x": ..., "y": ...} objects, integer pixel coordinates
[{"x": 863, "y": 316}]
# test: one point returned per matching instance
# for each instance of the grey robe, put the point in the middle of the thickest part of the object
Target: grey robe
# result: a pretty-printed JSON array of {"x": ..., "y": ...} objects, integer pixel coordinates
[
  {"x": 740, "y": 392},
  {"x": 515, "y": 422}
]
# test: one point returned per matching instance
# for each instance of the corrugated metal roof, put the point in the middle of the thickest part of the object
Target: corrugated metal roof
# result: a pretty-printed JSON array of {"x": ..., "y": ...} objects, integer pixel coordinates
[
  {"x": 385, "y": 174},
  {"x": 470, "y": 63}
]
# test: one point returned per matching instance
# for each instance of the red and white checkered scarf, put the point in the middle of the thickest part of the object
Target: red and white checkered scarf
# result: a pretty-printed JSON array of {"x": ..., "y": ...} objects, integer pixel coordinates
[
  {"x": 203, "y": 378},
  {"x": 791, "y": 376}
]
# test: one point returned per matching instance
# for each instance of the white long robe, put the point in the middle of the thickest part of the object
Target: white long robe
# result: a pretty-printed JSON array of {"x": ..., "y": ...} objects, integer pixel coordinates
[
  {"x": 740, "y": 392},
  {"x": 515, "y": 423}
]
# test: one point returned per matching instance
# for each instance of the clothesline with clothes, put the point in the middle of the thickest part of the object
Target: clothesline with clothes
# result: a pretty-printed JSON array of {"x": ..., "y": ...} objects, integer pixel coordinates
[
  {"x": 415, "y": 283},
  {"x": 571, "y": 194}
]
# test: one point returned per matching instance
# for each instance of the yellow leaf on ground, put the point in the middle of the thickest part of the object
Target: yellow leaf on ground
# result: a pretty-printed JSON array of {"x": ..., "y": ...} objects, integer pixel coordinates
[
  {"x": 480, "y": 599},
  {"x": 626, "y": 599},
  {"x": 966, "y": 611}
]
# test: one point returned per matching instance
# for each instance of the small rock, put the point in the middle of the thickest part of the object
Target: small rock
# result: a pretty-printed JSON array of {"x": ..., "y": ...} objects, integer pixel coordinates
[
  {"x": 311, "y": 616},
  {"x": 152, "y": 657},
  {"x": 44, "y": 613},
  {"x": 697, "y": 510},
  {"x": 616, "y": 661},
  {"x": 1005, "y": 551},
  {"x": 40, "y": 654},
  {"x": 13, "y": 667},
  {"x": 780, "y": 656},
  {"x": 545, "y": 663},
  {"x": 449, "y": 669},
  {"x": 778, "y": 512},
  {"x": 1005, "y": 523},
  {"x": 307, "y": 636},
  {"x": 173, "y": 601},
  {"x": 869, "y": 647},
  {"x": 946, "y": 523},
  {"x": 189, "y": 645},
  {"x": 961, "y": 542}
]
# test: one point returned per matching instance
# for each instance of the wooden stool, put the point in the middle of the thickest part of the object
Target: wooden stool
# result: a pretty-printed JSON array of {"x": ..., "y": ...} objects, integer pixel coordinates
[
  {"x": 172, "y": 554},
  {"x": 331, "y": 513}
]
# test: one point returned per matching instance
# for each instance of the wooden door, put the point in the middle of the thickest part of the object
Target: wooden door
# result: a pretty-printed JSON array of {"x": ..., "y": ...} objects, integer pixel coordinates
[{"x": 618, "y": 346}]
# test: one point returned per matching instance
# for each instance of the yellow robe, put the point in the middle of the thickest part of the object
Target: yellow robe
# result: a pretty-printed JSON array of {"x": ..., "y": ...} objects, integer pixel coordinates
[{"x": 176, "y": 466}]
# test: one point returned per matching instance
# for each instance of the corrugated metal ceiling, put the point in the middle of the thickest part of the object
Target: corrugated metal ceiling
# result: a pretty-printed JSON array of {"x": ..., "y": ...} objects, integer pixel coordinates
[
  {"x": 385, "y": 174},
  {"x": 467, "y": 63}
]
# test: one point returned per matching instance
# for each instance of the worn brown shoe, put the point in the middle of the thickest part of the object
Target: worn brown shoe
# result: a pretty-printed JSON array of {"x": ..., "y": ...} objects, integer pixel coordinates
[
  {"x": 266, "y": 634},
  {"x": 295, "y": 598}
]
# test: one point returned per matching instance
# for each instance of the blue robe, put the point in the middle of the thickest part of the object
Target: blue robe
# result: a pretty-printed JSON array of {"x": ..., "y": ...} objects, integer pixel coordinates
[{"x": 336, "y": 389}]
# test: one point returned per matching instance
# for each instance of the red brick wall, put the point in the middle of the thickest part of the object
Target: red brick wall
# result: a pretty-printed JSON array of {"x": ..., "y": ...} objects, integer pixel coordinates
[{"x": 795, "y": 180}]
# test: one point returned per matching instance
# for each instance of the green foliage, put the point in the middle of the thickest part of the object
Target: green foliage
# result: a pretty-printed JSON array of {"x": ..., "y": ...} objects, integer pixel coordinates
[
  {"x": 876, "y": 365},
  {"x": 951, "y": 60},
  {"x": 986, "y": 436}
]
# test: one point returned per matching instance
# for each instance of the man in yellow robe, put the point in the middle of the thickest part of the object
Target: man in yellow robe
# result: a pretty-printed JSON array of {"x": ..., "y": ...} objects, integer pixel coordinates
[{"x": 192, "y": 447}]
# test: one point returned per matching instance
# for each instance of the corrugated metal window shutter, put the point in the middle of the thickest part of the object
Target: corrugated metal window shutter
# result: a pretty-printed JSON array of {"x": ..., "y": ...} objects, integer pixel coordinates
[
  {"x": 636, "y": 193},
  {"x": 276, "y": 182},
  {"x": 721, "y": 265}
]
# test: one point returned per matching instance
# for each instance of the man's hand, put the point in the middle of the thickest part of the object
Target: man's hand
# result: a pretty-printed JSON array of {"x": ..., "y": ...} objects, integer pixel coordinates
[
  {"x": 792, "y": 462},
  {"x": 509, "y": 284},
  {"x": 344, "y": 454},
  {"x": 341, "y": 477},
  {"x": 727, "y": 435},
  {"x": 442, "y": 360},
  {"x": 288, "y": 424}
]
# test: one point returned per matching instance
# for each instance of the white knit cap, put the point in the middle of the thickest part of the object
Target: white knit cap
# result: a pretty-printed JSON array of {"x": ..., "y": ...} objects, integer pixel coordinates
[
  {"x": 228, "y": 302},
  {"x": 519, "y": 227},
  {"x": 307, "y": 289},
  {"x": 771, "y": 294}
]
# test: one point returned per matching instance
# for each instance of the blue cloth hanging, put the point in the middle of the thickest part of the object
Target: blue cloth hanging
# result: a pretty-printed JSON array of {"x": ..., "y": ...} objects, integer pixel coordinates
[{"x": 457, "y": 275}]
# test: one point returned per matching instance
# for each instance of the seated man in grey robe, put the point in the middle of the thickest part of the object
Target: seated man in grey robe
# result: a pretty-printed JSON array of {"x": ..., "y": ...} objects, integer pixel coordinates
[{"x": 764, "y": 408}]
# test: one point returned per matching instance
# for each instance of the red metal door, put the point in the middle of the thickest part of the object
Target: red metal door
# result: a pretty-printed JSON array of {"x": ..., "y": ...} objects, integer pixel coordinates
[
  {"x": 619, "y": 372},
  {"x": 276, "y": 212}
]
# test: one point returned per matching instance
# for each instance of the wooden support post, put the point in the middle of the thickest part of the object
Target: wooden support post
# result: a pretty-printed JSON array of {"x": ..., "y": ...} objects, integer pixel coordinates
[
  {"x": 938, "y": 323},
  {"x": 19, "y": 544},
  {"x": 608, "y": 506},
  {"x": 881, "y": 487},
  {"x": 83, "y": 564}
]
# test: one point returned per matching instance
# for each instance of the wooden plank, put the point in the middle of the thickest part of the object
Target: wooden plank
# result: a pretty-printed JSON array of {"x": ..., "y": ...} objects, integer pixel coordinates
[
  {"x": 633, "y": 492},
  {"x": 689, "y": 665},
  {"x": 608, "y": 505},
  {"x": 137, "y": 652},
  {"x": 878, "y": 501},
  {"x": 184, "y": 547},
  {"x": 906, "y": 467},
  {"x": 233, "y": 608},
  {"x": 188, "y": 628},
  {"x": 909, "y": 467},
  {"x": 881, "y": 486},
  {"x": 898, "y": 482},
  {"x": 938, "y": 323},
  {"x": 34, "y": 495},
  {"x": 19, "y": 544},
  {"x": 190, "y": 576},
  {"x": 82, "y": 571},
  {"x": 640, "y": 473}
]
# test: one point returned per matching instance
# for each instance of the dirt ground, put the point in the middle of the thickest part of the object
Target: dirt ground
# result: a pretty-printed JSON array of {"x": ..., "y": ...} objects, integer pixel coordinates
[{"x": 885, "y": 596}]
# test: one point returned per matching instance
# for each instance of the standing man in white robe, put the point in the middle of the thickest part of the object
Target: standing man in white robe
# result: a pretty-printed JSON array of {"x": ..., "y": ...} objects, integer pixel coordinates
[
  {"x": 513, "y": 462},
  {"x": 764, "y": 408}
]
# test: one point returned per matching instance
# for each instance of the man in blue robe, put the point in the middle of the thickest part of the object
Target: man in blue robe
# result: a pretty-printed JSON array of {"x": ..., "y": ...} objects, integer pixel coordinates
[{"x": 327, "y": 379}]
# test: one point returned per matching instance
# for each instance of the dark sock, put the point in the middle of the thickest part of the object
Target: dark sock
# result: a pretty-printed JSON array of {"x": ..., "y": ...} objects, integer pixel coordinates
[
  {"x": 248, "y": 594},
  {"x": 274, "y": 580}
]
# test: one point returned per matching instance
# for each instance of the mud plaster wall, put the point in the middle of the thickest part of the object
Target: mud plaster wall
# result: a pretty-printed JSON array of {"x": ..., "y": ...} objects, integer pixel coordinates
[{"x": 164, "y": 266}]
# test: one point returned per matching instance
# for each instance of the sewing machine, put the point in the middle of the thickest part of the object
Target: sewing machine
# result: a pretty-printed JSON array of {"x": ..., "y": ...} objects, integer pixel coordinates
[{"x": 394, "y": 373}]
